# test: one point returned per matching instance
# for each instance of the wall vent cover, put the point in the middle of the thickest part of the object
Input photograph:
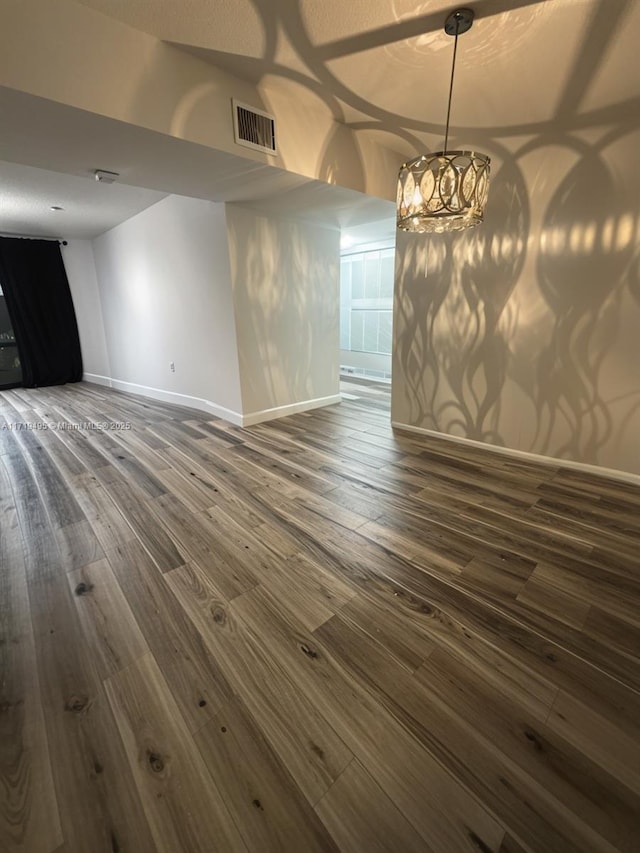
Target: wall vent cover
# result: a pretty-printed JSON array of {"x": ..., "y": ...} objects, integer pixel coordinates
[{"x": 254, "y": 128}]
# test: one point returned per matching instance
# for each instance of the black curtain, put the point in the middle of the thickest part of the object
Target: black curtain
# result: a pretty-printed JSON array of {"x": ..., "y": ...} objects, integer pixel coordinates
[{"x": 36, "y": 290}]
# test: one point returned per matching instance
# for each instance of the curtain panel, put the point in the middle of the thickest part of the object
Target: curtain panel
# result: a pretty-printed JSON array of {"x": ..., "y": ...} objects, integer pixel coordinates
[{"x": 36, "y": 290}]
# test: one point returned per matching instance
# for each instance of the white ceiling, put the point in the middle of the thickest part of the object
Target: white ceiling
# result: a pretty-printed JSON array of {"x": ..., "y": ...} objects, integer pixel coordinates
[
  {"x": 383, "y": 231},
  {"x": 527, "y": 67},
  {"x": 89, "y": 208}
]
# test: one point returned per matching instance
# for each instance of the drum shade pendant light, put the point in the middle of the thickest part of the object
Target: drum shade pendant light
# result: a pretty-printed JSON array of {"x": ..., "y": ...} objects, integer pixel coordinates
[{"x": 445, "y": 191}]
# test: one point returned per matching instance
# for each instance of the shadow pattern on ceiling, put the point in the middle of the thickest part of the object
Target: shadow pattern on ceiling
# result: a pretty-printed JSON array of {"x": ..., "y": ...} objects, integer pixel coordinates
[{"x": 286, "y": 16}]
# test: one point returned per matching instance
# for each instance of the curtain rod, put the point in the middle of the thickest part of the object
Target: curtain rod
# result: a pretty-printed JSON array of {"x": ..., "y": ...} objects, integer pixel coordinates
[{"x": 32, "y": 237}]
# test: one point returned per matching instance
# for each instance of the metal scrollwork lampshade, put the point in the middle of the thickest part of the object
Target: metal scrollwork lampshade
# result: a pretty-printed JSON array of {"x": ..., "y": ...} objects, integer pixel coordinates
[{"x": 445, "y": 191}]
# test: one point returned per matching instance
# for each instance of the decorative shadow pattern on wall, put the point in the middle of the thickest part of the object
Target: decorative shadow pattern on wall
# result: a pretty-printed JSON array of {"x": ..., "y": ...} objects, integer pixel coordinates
[
  {"x": 285, "y": 285},
  {"x": 523, "y": 333},
  {"x": 455, "y": 323}
]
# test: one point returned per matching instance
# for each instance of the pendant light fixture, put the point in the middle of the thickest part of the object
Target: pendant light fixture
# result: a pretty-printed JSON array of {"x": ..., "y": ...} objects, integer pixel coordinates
[{"x": 445, "y": 191}]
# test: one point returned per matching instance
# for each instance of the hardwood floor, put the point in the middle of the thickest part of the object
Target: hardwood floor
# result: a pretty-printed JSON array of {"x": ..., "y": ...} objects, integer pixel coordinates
[{"x": 308, "y": 635}]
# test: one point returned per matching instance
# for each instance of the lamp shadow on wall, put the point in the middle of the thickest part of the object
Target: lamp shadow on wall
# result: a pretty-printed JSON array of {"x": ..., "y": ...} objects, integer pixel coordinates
[
  {"x": 340, "y": 160},
  {"x": 538, "y": 311},
  {"x": 585, "y": 273},
  {"x": 457, "y": 329},
  {"x": 286, "y": 314}
]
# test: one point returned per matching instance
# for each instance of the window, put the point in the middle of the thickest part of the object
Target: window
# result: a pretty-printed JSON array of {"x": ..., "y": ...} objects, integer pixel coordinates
[{"x": 10, "y": 370}]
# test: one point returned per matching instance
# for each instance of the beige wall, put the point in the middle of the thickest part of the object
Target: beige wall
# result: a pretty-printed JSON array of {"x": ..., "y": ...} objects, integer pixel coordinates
[
  {"x": 525, "y": 332},
  {"x": 73, "y": 55},
  {"x": 285, "y": 279}
]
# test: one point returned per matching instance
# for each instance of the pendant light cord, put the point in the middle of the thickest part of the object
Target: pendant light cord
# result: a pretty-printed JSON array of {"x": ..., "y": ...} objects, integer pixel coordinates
[{"x": 453, "y": 71}]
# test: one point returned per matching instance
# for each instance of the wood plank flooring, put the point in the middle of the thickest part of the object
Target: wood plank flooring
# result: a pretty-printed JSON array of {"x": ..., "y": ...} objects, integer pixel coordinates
[{"x": 308, "y": 635}]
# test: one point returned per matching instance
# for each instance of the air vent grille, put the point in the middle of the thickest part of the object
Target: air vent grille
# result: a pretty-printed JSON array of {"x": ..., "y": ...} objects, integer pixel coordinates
[{"x": 254, "y": 128}]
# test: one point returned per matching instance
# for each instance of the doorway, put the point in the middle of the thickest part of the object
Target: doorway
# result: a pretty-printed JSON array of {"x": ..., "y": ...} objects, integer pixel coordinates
[{"x": 366, "y": 302}]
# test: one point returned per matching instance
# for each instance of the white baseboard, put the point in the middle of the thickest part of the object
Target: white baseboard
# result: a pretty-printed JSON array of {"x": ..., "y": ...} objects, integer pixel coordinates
[
  {"x": 207, "y": 406},
  {"x": 612, "y": 473},
  {"x": 178, "y": 400},
  {"x": 290, "y": 409},
  {"x": 97, "y": 379}
]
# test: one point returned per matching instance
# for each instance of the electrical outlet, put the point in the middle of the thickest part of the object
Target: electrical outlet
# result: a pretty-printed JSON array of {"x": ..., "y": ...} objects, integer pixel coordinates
[{"x": 172, "y": 366}]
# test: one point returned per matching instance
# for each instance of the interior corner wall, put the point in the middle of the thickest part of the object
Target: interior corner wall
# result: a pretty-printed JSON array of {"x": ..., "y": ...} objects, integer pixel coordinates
[
  {"x": 77, "y": 256},
  {"x": 523, "y": 332},
  {"x": 285, "y": 277},
  {"x": 165, "y": 290}
]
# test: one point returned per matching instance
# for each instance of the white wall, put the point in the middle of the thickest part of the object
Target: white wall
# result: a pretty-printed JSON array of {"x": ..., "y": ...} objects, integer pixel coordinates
[
  {"x": 286, "y": 294},
  {"x": 81, "y": 272},
  {"x": 523, "y": 332},
  {"x": 166, "y": 297}
]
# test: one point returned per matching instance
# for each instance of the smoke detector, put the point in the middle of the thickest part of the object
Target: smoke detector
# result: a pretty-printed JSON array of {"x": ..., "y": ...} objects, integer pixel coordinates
[{"x": 104, "y": 177}]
